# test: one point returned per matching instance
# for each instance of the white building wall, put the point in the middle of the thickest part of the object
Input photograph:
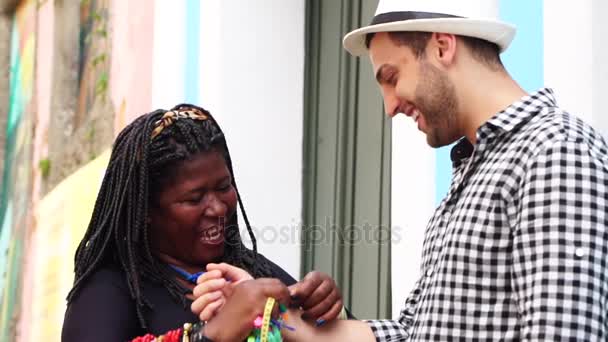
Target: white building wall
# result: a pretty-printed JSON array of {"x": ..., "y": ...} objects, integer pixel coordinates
[
  {"x": 412, "y": 204},
  {"x": 169, "y": 53},
  {"x": 599, "y": 57},
  {"x": 252, "y": 80},
  {"x": 568, "y": 55}
]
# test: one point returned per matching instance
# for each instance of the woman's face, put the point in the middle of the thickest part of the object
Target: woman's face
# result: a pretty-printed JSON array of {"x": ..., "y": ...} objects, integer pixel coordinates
[{"x": 189, "y": 215}]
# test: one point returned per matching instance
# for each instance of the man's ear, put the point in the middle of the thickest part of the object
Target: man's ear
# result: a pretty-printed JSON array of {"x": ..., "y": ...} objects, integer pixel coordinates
[{"x": 442, "y": 48}]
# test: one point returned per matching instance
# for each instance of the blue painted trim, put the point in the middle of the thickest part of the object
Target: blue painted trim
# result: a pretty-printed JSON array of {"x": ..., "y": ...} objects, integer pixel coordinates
[
  {"x": 524, "y": 61},
  {"x": 443, "y": 172},
  {"x": 525, "y": 57},
  {"x": 191, "y": 67}
]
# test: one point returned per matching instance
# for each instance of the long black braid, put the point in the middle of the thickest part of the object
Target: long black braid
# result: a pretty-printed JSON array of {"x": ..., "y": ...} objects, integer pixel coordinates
[{"x": 118, "y": 231}]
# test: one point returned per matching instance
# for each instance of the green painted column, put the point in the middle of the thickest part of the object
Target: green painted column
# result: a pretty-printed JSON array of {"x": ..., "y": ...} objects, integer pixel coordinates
[{"x": 346, "y": 162}]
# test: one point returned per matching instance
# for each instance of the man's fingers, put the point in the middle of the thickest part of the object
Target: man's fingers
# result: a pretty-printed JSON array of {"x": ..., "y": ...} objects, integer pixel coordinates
[
  {"x": 209, "y": 275},
  {"x": 208, "y": 286},
  {"x": 231, "y": 273},
  {"x": 210, "y": 310},
  {"x": 199, "y": 304}
]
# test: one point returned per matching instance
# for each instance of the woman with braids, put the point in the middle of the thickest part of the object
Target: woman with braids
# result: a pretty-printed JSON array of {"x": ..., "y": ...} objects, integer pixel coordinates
[{"x": 167, "y": 209}]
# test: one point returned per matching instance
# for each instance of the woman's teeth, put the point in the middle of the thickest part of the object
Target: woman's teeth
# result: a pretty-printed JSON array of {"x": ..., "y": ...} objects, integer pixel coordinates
[{"x": 212, "y": 233}]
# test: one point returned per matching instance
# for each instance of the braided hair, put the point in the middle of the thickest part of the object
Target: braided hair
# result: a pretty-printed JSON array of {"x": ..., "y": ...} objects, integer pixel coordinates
[{"x": 118, "y": 231}]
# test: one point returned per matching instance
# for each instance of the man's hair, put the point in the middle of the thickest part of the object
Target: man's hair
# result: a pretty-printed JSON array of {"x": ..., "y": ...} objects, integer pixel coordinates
[
  {"x": 118, "y": 231},
  {"x": 484, "y": 51}
]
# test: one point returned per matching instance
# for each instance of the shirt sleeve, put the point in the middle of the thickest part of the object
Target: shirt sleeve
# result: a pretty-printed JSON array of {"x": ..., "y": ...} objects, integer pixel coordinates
[
  {"x": 560, "y": 246},
  {"x": 101, "y": 311},
  {"x": 400, "y": 329},
  {"x": 388, "y": 330}
]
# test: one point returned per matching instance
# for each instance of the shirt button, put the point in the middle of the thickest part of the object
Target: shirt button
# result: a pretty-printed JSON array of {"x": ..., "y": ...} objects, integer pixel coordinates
[
  {"x": 579, "y": 252},
  {"x": 429, "y": 272}
]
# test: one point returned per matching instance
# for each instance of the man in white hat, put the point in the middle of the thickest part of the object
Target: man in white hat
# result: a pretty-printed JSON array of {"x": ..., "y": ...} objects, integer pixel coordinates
[{"x": 518, "y": 249}]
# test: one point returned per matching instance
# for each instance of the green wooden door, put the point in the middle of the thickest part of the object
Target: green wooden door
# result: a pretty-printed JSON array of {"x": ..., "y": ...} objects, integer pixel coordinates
[{"x": 346, "y": 162}]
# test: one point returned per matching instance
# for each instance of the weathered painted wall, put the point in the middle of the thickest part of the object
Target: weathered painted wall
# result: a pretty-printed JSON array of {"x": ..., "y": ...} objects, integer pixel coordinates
[{"x": 15, "y": 192}]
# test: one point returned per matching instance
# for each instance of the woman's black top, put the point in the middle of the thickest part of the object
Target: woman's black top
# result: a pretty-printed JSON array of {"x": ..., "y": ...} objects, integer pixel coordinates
[{"x": 104, "y": 311}]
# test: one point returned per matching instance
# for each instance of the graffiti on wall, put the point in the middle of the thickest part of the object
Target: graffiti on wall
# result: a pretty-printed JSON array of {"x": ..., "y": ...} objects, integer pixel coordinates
[
  {"x": 93, "y": 72},
  {"x": 15, "y": 191}
]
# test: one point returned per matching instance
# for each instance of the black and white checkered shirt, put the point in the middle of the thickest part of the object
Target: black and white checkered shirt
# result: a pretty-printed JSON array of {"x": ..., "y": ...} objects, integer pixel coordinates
[{"x": 518, "y": 249}]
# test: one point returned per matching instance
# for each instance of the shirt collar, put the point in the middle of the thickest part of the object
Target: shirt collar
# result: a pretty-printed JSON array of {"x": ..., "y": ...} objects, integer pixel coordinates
[
  {"x": 516, "y": 114},
  {"x": 461, "y": 151},
  {"x": 505, "y": 121}
]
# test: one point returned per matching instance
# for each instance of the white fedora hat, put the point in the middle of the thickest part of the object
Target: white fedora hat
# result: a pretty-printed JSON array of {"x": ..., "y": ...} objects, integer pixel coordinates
[{"x": 472, "y": 18}]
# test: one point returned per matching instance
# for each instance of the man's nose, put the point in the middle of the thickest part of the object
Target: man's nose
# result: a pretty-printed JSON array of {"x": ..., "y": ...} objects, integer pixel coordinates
[{"x": 391, "y": 104}]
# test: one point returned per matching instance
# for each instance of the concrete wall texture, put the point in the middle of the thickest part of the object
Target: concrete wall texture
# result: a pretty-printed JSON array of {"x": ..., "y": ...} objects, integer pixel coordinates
[{"x": 96, "y": 66}]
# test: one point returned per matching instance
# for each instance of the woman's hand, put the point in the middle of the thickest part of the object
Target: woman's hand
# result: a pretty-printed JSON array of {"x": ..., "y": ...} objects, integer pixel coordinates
[
  {"x": 214, "y": 287},
  {"x": 319, "y": 297},
  {"x": 235, "y": 321}
]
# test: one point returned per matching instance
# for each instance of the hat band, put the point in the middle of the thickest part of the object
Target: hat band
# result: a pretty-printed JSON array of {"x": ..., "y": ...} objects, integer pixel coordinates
[{"x": 389, "y": 17}]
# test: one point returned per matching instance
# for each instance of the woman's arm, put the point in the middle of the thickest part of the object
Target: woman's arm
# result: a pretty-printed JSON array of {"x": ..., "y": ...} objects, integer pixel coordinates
[{"x": 101, "y": 311}]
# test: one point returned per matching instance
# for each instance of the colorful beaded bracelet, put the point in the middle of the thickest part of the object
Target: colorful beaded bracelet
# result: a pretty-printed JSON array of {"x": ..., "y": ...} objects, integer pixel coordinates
[
  {"x": 189, "y": 333},
  {"x": 265, "y": 329}
]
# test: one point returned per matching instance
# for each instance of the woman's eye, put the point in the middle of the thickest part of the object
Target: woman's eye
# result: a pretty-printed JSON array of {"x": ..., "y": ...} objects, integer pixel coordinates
[
  {"x": 225, "y": 187},
  {"x": 193, "y": 199}
]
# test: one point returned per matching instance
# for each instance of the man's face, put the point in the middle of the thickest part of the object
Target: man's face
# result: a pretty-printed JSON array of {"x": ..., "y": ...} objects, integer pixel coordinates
[{"x": 417, "y": 88}]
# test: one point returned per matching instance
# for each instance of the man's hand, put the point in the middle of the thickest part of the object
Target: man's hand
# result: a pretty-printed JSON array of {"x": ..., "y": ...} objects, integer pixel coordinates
[
  {"x": 318, "y": 296},
  {"x": 214, "y": 287},
  {"x": 231, "y": 273},
  {"x": 336, "y": 330},
  {"x": 235, "y": 321}
]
